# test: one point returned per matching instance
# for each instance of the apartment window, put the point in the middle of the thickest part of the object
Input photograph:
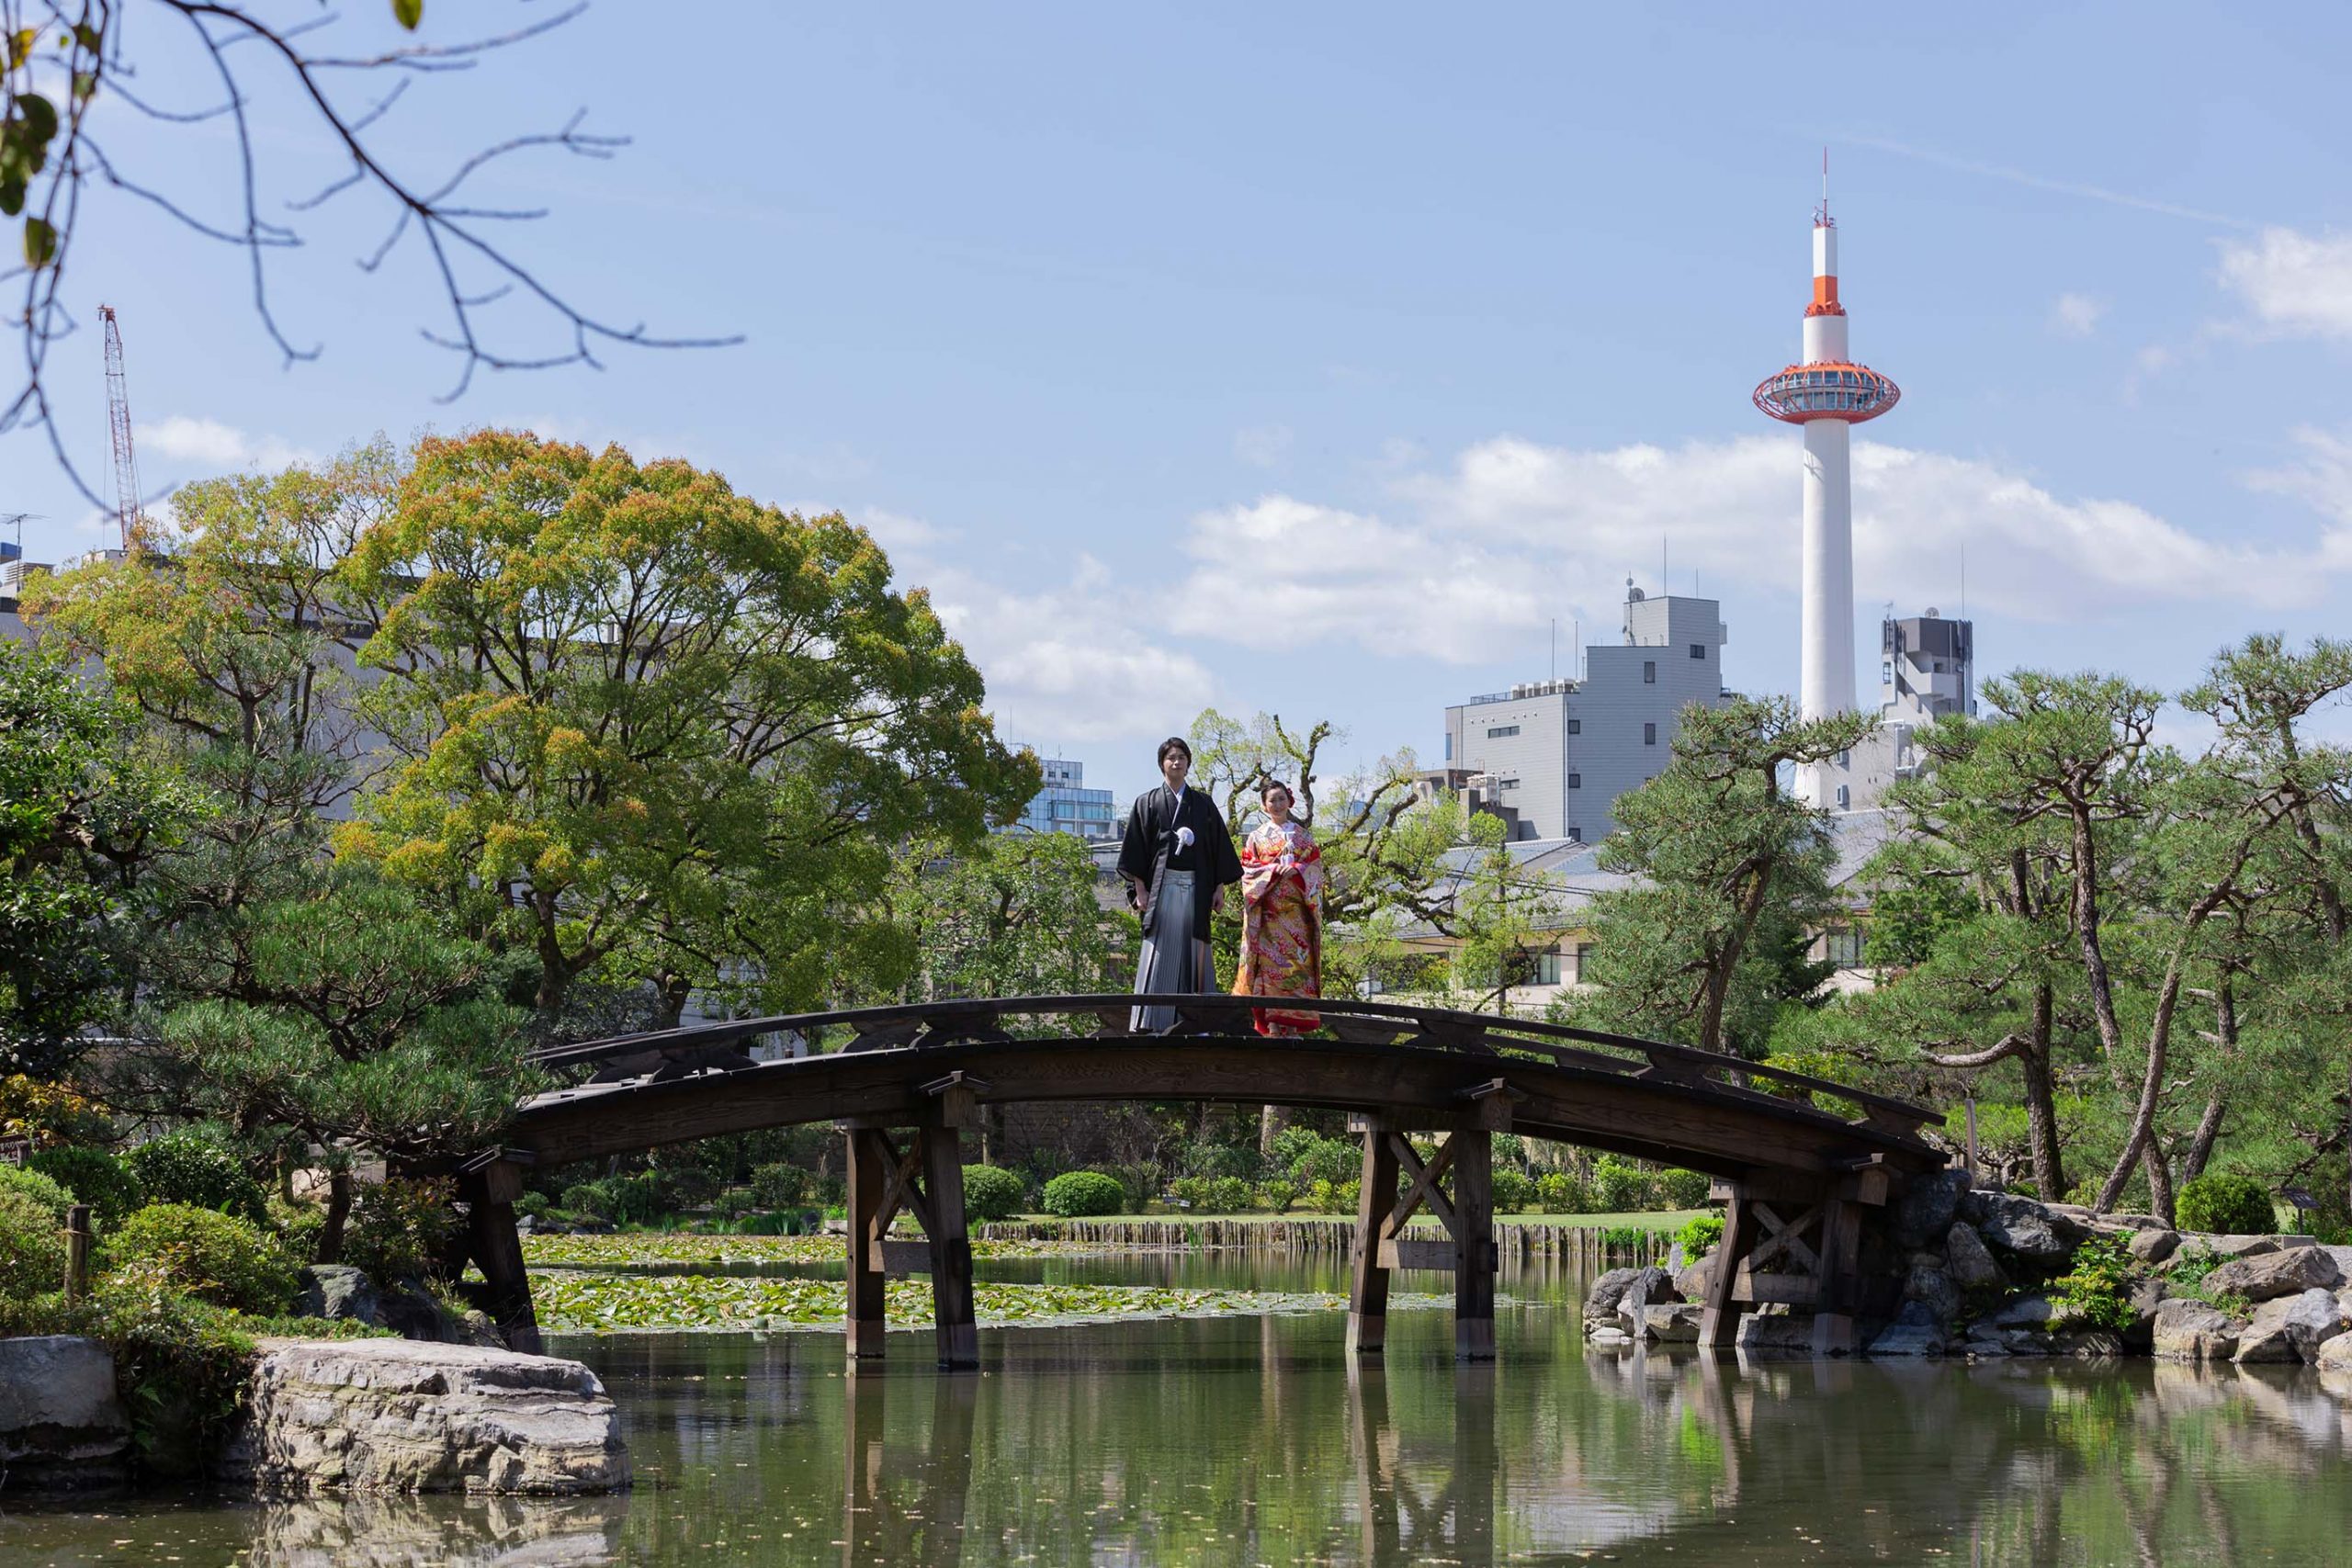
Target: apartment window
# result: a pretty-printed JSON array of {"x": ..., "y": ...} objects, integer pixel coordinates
[
  {"x": 1844, "y": 798},
  {"x": 1886, "y": 671},
  {"x": 1547, "y": 968},
  {"x": 1500, "y": 730},
  {"x": 1649, "y": 671},
  {"x": 1578, "y": 958},
  {"x": 1698, "y": 650},
  {"x": 1449, "y": 744},
  {"x": 1842, "y": 945},
  {"x": 1576, "y": 727},
  {"x": 1576, "y": 780},
  {"x": 1649, "y": 734},
  {"x": 1511, "y": 784}
]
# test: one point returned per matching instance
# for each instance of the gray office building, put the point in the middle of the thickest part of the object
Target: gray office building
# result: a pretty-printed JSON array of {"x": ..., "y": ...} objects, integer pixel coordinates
[
  {"x": 1559, "y": 752},
  {"x": 1927, "y": 666},
  {"x": 1067, "y": 805}
]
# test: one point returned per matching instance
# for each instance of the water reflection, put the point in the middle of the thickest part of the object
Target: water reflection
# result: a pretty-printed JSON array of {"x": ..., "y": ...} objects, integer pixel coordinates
[{"x": 1259, "y": 1440}]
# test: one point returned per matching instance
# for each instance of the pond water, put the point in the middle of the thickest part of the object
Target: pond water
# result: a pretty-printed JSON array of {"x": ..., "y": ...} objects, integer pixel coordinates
[{"x": 1257, "y": 1441}]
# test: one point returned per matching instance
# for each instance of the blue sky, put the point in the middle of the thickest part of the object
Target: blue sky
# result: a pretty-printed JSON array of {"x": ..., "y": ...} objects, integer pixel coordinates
[{"x": 1317, "y": 359}]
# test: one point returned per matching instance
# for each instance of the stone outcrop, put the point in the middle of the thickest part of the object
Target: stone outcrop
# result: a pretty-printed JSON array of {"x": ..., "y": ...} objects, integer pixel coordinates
[
  {"x": 337, "y": 1291},
  {"x": 2264, "y": 1275},
  {"x": 2027, "y": 1230},
  {"x": 2155, "y": 1245},
  {"x": 2191, "y": 1331},
  {"x": 399, "y": 1415},
  {"x": 61, "y": 1425},
  {"x": 1971, "y": 1264},
  {"x": 2290, "y": 1328}
]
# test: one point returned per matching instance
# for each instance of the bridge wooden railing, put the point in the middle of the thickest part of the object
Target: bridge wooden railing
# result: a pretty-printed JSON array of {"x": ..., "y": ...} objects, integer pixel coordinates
[{"x": 916, "y": 1026}]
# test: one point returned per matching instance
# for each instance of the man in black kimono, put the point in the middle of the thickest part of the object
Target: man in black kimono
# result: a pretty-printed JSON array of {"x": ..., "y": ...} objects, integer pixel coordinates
[{"x": 1178, "y": 859}]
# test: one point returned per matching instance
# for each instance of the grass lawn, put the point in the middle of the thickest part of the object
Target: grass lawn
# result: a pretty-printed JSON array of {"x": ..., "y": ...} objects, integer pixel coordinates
[{"x": 1656, "y": 1219}]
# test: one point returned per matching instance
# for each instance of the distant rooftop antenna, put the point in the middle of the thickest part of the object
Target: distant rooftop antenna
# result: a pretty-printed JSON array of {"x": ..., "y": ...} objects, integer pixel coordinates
[
  {"x": 125, "y": 469},
  {"x": 1821, "y": 214}
]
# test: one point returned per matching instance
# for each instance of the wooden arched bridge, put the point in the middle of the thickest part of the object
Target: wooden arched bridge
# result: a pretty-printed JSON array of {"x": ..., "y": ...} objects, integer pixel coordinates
[{"x": 1800, "y": 1159}]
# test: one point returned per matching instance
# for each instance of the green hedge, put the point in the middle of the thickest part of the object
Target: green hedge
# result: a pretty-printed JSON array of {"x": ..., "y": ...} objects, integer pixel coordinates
[
  {"x": 991, "y": 1193},
  {"x": 189, "y": 1168},
  {"x": 94, "y": 1176},
  {"x": 32, "y": 1246},
  {"x": 1078, "y": 1194},
  {"x": 2227, "y": 1202},
  {"x": 208, "y": 1256}
]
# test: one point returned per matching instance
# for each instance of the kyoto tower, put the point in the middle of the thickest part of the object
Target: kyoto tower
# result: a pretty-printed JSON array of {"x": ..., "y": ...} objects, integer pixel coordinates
[{"x": 1825, "y": 393}]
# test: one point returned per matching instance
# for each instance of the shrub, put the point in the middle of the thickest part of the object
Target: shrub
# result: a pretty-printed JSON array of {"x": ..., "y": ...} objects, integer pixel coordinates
[
  {"x": 213, "y": 1256},
  {"x": 191, "y": 1169},
  {"x": 1324, "y": 1159},
  {"x": 42, "y": 1189},
  {"x": 1512, "y": 1189},
  {"x": 1214, "y": 1160},
  {"x": 400, "y": 1228},
  {"x": 32, "y": 1247},
  {"x": 1619, "y": 1186},
  {"x": 1191, "y": 1192},
  {"x": 48, "y": 1112},
  {"x": 1699, "y": 1234},
  {"x": 1077, "y": 1194},
  {"x": 2097, "y": 1289},
  {"x": 1278, "y": 1194},
  {"x": 1334, "y": 1197},
  {"x": 94, "y": 1176},
  {"x": 991, "y": 1193},
  {"x": 296, "y": 1225},
  {"x": 779, "y": 1186},
  {"x": 1561, "y": 1194},
  {"x": 832, "y": 1191},
  {"x": 2225, "y": 1202},
  {"x": 1228, "y": 1195},
  {"x": 1684, "y": 1189}
]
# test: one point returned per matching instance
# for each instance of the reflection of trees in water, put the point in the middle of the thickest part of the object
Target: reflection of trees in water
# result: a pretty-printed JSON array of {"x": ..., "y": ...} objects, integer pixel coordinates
[{"x": 2010, "y": 1461}]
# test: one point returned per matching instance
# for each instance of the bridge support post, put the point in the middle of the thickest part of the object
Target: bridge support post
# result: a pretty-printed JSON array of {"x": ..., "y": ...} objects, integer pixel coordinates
[
  {"x": 490, "y": 1183},
  {"x": 1368, "y": 1292},
  {"x": 1793, "y": 1239},
  {"x": 1474, "y": 1246},
  {"x": 869, "y": 1217},
  {"x": 956, "y": 1322}
]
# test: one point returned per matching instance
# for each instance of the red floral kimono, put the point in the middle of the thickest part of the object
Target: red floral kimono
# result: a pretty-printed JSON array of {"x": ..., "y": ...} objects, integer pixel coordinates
[{"x": 1282, "y": 923}]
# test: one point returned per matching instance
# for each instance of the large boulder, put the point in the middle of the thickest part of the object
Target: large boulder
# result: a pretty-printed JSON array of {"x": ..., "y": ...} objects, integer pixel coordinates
[
  {"x": 1927, "y": 1207},
  {"x": 1692, "y": 1284},
  {"x": 397, "y": 1416},
  {"x": 1972, "y": 1268},
  {"x": 2153, "y": 1247},
  {"x": 1908, "y": 1339},
  {"x": 2264, "y": 1276},
  {"x": 337, "y": 1291},
  {"x": 1600, "y": 1300},
  {"x": 1932, "y": 1288},
  {"x": 2290, "y": 1328},
  {"x": 2189, "y": 1330},
  {"x": 2025, "y": 1229},
  {"x": 2237, "y": 1246},
  {"x": 2333, "y": 1355},
  {"x": 1648, "y": 1286},
  {"x": 1672, "y": 1323},
  {"x": 60, "y": 1426},
  {"x": 2026, "y": 1312}
]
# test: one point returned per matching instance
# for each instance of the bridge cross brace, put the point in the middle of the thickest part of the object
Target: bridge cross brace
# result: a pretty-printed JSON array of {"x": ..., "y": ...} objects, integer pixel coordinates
[
  {"x": 1792, "y": 1239},
  {"x": 924, "y": 1179},
  {"x": 1468, "y": 1251}
]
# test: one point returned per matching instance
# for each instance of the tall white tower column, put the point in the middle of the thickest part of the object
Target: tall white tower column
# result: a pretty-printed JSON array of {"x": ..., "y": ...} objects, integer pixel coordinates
[{"x": 1826, "y": 394}]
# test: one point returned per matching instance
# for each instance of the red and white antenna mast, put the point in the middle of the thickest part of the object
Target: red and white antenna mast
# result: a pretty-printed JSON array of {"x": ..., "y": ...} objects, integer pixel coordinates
[{"x": 126, "y": 467}]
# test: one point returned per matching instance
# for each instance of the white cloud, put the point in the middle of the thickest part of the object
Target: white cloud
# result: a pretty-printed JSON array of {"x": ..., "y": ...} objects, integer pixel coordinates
[
  {"x": 2076, "y": 315},
  {"x": 212, "y": 445},
  {"x": 2292, "y": 284},
  {"x": 1070, "y": 662},
  {"x": 894, "y": 531},
  {"x": 1262, "y": 447},
  {"x": 1474, "y": 561}
]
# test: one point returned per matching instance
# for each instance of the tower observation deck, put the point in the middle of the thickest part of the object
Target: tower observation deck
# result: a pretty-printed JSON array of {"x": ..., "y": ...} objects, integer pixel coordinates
[{"x": 1825, "y": 394}]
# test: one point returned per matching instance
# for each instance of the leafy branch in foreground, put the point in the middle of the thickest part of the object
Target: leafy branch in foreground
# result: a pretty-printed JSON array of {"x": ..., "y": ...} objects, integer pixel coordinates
[{"x": 61, "y": 60}]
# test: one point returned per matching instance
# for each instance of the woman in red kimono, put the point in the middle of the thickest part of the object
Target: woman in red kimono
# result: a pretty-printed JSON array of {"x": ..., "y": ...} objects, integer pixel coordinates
[{"x": 1282, "y": 915}]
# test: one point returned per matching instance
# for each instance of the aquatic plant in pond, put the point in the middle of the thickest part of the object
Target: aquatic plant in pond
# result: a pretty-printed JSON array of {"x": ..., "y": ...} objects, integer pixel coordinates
[{"x": 602, "y": 1304}]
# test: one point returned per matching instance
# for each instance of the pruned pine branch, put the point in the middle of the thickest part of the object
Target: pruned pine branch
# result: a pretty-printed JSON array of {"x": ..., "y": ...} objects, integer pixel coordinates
[{"x": 59, "y": 59}]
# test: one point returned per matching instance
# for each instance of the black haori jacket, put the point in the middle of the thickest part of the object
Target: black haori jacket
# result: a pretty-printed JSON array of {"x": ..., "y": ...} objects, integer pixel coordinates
[{"x": 1150, "y": 841}]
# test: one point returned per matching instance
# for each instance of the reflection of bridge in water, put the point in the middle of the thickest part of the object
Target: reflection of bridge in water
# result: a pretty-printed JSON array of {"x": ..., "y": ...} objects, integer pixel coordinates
[{"x": 907, "y": 1082}]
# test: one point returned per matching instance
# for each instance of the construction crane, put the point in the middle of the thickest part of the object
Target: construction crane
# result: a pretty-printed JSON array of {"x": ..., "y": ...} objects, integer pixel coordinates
[{"x": 126, "y": 467}]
